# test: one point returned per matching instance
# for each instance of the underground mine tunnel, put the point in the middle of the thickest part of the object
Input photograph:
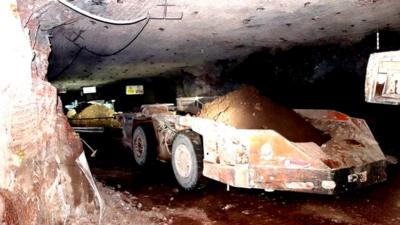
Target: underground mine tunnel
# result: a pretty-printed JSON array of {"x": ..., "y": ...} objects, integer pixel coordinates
[{"x": 199, "y": 112}]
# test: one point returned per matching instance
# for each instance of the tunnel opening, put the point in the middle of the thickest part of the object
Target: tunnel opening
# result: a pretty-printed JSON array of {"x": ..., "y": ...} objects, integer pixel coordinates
[{"x": 327, "y": 76}]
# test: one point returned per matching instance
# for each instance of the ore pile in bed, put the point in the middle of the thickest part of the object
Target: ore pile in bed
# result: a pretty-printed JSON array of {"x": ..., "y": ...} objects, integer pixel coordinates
[
  {"x": 245, "y": 108},
  {"x": 95, "y": 116}
]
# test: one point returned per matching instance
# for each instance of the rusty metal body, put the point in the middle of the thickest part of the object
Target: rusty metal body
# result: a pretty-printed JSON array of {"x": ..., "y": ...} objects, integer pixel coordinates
[{"x": 264, "y": 159}]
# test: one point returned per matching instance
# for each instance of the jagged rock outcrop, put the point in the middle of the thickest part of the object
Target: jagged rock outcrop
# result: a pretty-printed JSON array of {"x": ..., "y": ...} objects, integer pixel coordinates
[{"x": 40, "y": 182}]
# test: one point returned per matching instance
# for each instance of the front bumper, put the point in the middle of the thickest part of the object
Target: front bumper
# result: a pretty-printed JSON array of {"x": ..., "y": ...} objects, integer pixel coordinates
[
  {"x": 318, "y": 181},
  {"x": 307, "y": 180}
]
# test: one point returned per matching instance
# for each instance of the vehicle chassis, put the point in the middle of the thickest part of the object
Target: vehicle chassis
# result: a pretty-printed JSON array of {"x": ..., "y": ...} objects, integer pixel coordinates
[{"x": 264, "y": 159}]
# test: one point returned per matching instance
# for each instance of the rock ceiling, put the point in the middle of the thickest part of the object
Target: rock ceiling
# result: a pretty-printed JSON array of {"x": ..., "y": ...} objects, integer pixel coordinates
[{"x": 86, "y": 51}]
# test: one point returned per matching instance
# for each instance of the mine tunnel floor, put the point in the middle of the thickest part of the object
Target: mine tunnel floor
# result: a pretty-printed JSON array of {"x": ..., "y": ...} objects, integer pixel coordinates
[{"x": 154, "y": 196}]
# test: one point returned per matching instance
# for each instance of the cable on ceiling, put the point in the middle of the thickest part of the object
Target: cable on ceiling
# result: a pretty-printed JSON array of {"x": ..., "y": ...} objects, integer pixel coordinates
[
  {"x": 119, "y": 50},
  {"x": 102, "y": 19}
]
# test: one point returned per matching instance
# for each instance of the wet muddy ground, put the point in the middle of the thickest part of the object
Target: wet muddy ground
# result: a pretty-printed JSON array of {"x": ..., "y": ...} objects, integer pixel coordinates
[{"x": 157, "y": 190}]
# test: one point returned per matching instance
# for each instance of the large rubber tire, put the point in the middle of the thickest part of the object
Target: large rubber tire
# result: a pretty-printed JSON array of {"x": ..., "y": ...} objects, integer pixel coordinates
[
  {"x": 187, "y": 160},
  {"x": 143, "y": 145}
]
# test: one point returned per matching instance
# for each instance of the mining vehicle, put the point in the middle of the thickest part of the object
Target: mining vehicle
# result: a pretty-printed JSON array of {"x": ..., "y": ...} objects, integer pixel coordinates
[{"x": 201, "y": 149}]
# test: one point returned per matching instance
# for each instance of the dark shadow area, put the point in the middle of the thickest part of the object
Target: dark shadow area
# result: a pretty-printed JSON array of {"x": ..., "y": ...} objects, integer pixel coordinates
[{"x": 156, "y": 90}]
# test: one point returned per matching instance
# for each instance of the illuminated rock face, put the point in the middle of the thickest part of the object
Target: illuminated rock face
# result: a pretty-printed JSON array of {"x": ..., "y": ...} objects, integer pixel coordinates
[{"x": 40, "y": 182}]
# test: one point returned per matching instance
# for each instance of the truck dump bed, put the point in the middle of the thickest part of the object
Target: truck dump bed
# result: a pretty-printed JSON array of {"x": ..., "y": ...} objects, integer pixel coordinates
[{"x": 264, "y": 159}]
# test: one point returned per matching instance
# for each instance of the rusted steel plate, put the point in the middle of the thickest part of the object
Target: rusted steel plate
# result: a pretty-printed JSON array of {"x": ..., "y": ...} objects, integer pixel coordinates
[{"x": 237, "y": 176}]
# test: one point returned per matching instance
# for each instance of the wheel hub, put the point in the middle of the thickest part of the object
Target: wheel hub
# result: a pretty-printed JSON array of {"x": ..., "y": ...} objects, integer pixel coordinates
[
  {"x": 183, "y": 161},
  {"x": 138, "y": 147}
]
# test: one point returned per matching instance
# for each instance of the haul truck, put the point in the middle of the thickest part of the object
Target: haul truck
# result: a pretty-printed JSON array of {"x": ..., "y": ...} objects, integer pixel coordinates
[{"x": 200, "y": 148}]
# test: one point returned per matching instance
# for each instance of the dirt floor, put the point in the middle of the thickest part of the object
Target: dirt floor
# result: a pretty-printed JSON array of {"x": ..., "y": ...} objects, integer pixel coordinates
[
  {"x": 124, "y": 208},
  {"x": 246, "y": 109},
  {"x": 153, "y": 197}
]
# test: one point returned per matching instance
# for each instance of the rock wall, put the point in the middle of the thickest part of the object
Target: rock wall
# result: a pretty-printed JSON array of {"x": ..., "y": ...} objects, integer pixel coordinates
[{"x": 40, "y": 182}]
